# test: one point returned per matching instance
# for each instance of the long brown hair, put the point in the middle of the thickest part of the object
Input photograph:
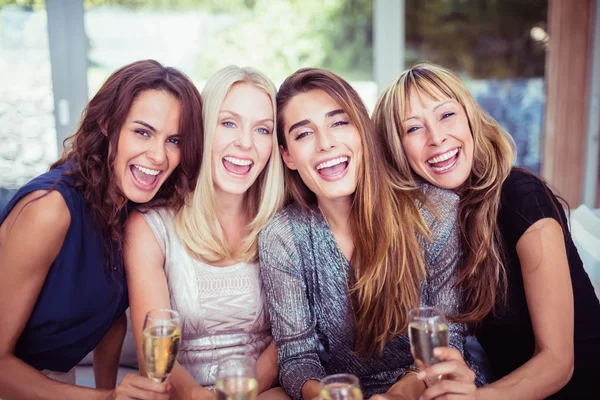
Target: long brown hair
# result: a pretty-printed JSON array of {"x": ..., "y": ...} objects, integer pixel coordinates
[
  {"x": 386, "y": 261},
  {"x": 91, "y": 162},
  {"x": 482, "y": 277}
]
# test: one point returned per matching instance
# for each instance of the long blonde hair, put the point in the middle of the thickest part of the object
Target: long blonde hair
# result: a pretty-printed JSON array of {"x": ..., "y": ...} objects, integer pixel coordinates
[
  {"x": 386, "y": 262},
  {"x": 196, "y": 222},
  {"x": 482, "y": 276}
]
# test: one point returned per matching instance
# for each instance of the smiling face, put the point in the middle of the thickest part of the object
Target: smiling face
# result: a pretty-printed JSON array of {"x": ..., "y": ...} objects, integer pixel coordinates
[
  {"x": 243, "y": 139},
  {"x": 437, "y": 140},
  {"x": 148, "y": 147},
  {"x": 323, "y": 145}
]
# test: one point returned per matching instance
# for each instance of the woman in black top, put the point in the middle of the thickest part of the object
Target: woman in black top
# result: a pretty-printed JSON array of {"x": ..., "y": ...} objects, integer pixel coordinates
[{"x": 525, "y": 289}]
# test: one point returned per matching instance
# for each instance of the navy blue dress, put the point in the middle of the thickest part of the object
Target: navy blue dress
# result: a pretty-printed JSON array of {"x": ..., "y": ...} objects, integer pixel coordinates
[{"x": 81, "y": 298}]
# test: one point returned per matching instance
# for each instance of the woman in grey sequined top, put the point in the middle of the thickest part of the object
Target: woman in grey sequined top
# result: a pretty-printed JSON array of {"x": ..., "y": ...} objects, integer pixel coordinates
[
  {"x": 304, "y": 252},
  {"x": 201, "y": 259}
]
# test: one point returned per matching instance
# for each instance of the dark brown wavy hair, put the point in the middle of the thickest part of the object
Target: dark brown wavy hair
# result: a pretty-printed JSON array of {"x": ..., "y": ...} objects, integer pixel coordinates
[
  {"x": 92, "y": 164},
  {"x": 386, "y": 262},
  {"x": 482, "y": 276}
]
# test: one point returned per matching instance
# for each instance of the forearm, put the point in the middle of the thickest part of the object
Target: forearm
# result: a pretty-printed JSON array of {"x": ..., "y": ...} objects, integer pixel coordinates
[
  {"x": 267, "y": 369},
  {"x": 538, "y": 378},
  {"x": 107, "y": 354},
  {"x": 25, "y": 382},
  {"x": 185, "y": 386}
]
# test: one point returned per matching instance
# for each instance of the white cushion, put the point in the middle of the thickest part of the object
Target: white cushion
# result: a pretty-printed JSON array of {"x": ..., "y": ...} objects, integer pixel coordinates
[{"x": 585, "y": 230}]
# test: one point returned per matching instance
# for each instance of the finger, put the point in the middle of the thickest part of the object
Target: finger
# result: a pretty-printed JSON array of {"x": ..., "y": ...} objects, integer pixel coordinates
[
  {"x": 446, "y": 387},
  {"x": 145, "y": 384},
  {"x": 456, "y": 370},
  {"x": 447, "y": 353},
  {"x": 134, "y": 393},
  {"x": 452, "y": 397}
]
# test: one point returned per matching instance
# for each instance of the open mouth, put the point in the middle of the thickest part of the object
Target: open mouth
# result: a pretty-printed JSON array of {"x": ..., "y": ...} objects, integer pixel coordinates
[
  {"x": 445, "y": 161},
  {"x": 145, "y": 178},
  {"x": 334, "y": 167},
  {"x": 237, "y": 166}
]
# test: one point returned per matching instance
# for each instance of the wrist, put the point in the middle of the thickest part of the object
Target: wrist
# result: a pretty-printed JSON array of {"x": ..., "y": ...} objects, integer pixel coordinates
[{"x": 102, "y": 394}]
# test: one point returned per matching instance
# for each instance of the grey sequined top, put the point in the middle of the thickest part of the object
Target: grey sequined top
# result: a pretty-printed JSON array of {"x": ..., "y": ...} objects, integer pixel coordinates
[
  {"x": 223, "y": 310},
  {"x": 311, "y": 319}
]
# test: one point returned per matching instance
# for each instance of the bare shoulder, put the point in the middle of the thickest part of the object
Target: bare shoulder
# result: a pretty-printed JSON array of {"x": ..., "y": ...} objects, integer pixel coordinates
[
  {"x": 136, "y": 223},
  {"x": 33, "y": 234},
  {"x": 42, "y": 210}
]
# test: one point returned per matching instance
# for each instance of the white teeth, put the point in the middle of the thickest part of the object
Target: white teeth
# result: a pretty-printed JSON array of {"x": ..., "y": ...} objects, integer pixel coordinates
[
  {"x": 443, "y": 157},
  {"x": 147, "y": 171},
  {"x": 333, "y": 162},
  {"x": 237, "y": 161}
]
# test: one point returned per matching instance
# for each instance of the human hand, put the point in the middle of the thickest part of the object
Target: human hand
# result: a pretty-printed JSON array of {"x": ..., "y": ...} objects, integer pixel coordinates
[
  {"x": 139, "y": 387},
  {"x": 458, "y": 380}
]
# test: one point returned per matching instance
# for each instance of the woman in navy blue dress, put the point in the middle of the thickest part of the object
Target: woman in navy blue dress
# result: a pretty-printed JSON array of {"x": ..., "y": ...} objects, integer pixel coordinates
[{"x": 62, "y": 285}]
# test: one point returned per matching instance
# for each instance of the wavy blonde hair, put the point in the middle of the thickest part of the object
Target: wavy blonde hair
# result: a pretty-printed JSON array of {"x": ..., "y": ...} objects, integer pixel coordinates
[
  {"x": 482, "y": 276},
  {"x": 196, "y": 222},
  {"x": 386, "y": 262}
]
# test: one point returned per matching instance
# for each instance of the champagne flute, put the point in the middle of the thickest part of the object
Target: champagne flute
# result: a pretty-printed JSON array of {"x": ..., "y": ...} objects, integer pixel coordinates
[
  {"x": 162, "y": 337},
  {"x": 427, "y": 329},
  {"x": 340, "y": 387},
  {"x": 236, "y": 378}
]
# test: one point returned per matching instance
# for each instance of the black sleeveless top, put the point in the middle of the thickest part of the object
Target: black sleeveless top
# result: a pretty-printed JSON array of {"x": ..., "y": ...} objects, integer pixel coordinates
[{"x": 507, "y": 337}]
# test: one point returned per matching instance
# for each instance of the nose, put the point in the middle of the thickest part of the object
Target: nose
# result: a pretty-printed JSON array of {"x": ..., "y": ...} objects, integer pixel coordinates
[
  {"x": 436, "y": 135},
  {"x": 244, "y": 139},
  {"x": 325, "y": 140},
  {"x": 157, "y": 152}
]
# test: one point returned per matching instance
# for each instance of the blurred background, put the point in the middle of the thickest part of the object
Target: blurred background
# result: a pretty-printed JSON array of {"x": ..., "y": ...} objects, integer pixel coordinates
[{"x": 533, "y": 64}]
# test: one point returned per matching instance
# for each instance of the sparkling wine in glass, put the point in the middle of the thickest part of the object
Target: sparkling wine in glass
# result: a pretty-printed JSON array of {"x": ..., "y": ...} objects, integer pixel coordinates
[
  {"x": 236, "y": 378},
  {"x": 427, "y": 329},
  {"x": 162, "y": 337},
  {"x": 340, "y": 387}
]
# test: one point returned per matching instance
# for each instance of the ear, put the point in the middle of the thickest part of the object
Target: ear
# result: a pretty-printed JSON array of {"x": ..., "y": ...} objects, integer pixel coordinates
[
  {"x": 287, "y": 159},
  {"x": 102, "y": 125}
]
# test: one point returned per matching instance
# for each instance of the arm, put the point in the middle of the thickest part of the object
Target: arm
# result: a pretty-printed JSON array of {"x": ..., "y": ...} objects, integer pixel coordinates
[
  {"x": 292, "y": 320},
  {"x": 24, "y": 269},
  {"x": 107, "y": 354},
  {"x": 408, "y": 387},
  {"x": 148, "y": 290},
  {"x": 549, "y": 294},
  {"x": 266, "y": 367}
]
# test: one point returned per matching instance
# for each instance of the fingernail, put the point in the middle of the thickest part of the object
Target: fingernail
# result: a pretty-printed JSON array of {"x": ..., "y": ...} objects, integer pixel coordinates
[
  {"x": 437, "y": 351},
  {"x": 421, "y": 375},
  {"x": 420, "y": 397}
]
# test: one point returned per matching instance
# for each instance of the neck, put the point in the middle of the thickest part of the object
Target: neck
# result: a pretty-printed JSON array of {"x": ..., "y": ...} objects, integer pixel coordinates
[
  {"x": 232, "y": 216},
  {"x": 337, "y": 213},
  {"x": 229, "y": 205}
]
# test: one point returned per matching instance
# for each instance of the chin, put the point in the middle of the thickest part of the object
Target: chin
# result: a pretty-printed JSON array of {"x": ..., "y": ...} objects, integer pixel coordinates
[{"x": 140, "y": 198}]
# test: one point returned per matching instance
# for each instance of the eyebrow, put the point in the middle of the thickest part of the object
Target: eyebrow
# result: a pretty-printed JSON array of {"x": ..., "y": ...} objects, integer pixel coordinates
[
  {"x": 236, "y": 115},
  {"x": 153, "y": 129},
  {"x": 306, "y": 122},
  {"x": 335, "y": 112},
  {"x": 434, "y": 109},
  {"x": 147, "y": 125}
]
